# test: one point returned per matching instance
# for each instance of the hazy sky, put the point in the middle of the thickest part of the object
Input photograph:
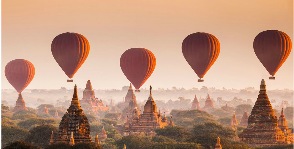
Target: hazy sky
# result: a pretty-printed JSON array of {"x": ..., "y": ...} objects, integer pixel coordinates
[{"x": 113, "y": 26}]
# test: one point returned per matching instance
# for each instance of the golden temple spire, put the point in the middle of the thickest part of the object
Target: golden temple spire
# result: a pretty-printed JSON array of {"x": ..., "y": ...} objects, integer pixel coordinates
[
  {"x": 218, "y": 145},
  {"x": 51, "y": 139},
  {"x": 72, "y": 140},
  {"x": 75, "y": 95}
]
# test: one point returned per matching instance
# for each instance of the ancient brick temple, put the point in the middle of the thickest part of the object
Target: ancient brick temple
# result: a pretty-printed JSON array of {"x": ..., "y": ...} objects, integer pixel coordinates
[
  {"x": 244, "y": 119},
  {"x": 74, "y": 122},
  {"x": 89, "y": 98},
  {"x": 20, "y": 104},
  {"x": 262, "y": 129},
  {"x": 208, "y": 103},
  {"x": 234, "y": 122},
  {"x": 282, "y": 123},
  {"x": 195, "y": 104},
  {"x": 131, "y": 104},
  {"x": 147, "y": 122}
]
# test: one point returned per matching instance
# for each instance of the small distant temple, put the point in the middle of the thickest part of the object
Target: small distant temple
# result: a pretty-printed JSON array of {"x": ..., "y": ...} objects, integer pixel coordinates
[
  {"x": 147, "y": 122},
  {"x": 56, "y": 114},
  {"x": 208, "y": 103},
  {"x": 45, "y": 110},
  {"x": 131, "y": 105},
  {"x": 282, "y": 123},
  {"x": 102, "y": 135},
  {"x": 244, "y": 119},
  {"x": 195, "y": 104},
  {"x": 89, "y": 98},
  {"x": 234, "y": 122},
  {"x": 74, "y": 126},
  {"x": 218, "y": 145},
  {"x": 263, "y": 129},
  {"x": 20, "y": 104}
]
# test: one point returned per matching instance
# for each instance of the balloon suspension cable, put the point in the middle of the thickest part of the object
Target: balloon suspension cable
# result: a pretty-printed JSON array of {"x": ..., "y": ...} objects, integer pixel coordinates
[
  {"x": 137, "y": 91},
  {"x": 272, "y": 77},
  {"x": 200, "y": 80},
  {"x": 69, "y": 80}
]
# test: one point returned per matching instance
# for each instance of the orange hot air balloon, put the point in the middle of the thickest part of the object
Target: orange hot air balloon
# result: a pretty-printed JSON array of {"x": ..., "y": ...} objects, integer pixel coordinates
[
  {"x": 70, "y": 50},
  {"x": 137, "y": 64},
  {"x": 272, "y": 48},
  {"x": 19, "y": 73},
  {"x": 200, "y": 51}
]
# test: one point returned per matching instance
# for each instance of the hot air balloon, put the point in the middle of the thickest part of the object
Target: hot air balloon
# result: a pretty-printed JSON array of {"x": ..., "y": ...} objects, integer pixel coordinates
[
  {"x": 137, "y": 64},
  {"x": 19, "y": 73},
  {"x": 70, "y": 50},
  {"x": 272, "y": 48},
  {"x": 200, "y": 51}
]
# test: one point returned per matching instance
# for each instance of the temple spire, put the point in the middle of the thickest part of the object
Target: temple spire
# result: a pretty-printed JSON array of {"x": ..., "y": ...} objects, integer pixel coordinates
[
  {"x": 218, "y": 145},
  {"x": 282, "y": 112},
  {"x": 171, "y": 122},
  {"x": 75, "y": 95},
  {"x": 75, "y": 100},
  {"x": 51, "y": 139},
  {"x": 89, "y": 85},
  {"x": 72, "y": 140},
  {"x": 20, "y": 104},
  {"x": 130, "y": 88},
  {"x": 150, "y": 96},
  {"x": 96, "y": 140}
]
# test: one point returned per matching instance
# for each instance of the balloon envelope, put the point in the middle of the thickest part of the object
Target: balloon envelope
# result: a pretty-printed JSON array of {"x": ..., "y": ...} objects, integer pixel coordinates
[
  {"x": 200, "y": 51},
  {"x": 137, "y": 64},
  {"x": 272, "y": 48},
  {"x": 70, "y": 50},
  {"x": 19, "y": 73}
]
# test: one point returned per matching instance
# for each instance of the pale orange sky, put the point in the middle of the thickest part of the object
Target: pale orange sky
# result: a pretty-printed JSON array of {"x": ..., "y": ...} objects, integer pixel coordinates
[{"x": 113, "y": 26}]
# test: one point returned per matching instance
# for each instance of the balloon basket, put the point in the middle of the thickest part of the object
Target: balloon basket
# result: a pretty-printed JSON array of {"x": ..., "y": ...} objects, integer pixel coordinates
[
  {"x": 69, "y": 80},
  {"x": 137, "y": 90},
  {"x": 200, "y": 80},
  {"x": 272, "y": 78}
]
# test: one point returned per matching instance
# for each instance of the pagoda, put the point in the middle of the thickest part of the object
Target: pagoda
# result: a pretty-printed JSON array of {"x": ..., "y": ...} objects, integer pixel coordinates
[
  {"x": 74, "y": 126},
  {"x": 195, "y": 104},
  {"x": 171, "y": 122},
  {"x": 130, "y": 95},
  {"x": 208, "y": 103},
  {"x": 218, "y": 145},
  {"x": 262, "y": 129},
  {"x": 244, "y": 119},
  {"x": 130, "y": 103},
  {"x": 20, "y": 104},
  {"x": 102, "y": 135},
  {"x": 89, "y": 98},
  {"x": 234, "y": 122},
  {"x": 147, "y": 122},
  {"x": 282, "y": 123},
  {"x": 45, "y": 110}
]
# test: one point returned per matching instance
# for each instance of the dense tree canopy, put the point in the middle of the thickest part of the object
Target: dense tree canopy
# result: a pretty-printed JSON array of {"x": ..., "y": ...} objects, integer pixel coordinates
[
  {"x": 20, "y": 145},
  {"x": 177, "y": 133},
  {"x": 41, "y": 135},
  {"x": 12, "y": 133}
]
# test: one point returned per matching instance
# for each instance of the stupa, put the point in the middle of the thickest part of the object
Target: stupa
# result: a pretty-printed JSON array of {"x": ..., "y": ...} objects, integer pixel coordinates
[
  {"x": 147, "y": 122},
  {"x": 102, "y": 135},
  {"x": 234, "y": 122},
  {"x": 262, "y": 129},
  {"x": 74, "y": 126},
  {"x": 282, "y": 123},
  {"x": 218, "y": 145},
  {"x": 89, "y": 98},
  {"x": 208, "y": 103},
  {"x": 195, "y": 104},
  {"x": 130, "y": 103},
  {"x": 244, "y": 119},
  {"x": 20, "y": 104}
]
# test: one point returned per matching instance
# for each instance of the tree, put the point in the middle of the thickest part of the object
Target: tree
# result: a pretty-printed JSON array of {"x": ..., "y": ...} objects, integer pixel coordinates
[
  {"x": 225, "y": 121},
  {"x": 132, "y": 142},
  {"x": 20, "y": 145},
  {"x": 220, "y": 113},
  {"x": 240, "y": 109},
  {"x": 168, "y": 145},
  {"x": 218, "y": 129},
  {"x": 41, "y": 135},
  {"x": 90, "y": 145},
  {"x": 13, "y": 133},
  {"x": 32, "y": 122},
  {"x": 161, "y": 139},
  {"x": 23, "y": 115},
  {"x": 177, "y": 133},
  {"x": 58, "y": 146},
  {"x": 4, "y": 108},
  {"x": 106, "y": 121}
]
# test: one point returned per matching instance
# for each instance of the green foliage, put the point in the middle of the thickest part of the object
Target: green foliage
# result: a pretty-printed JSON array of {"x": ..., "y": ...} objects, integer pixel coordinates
[
  {"x": 4, "y": 108},
  {"x": 12, "y": 133},
  {"x": 32, "y": 110},
  {"x": 23, "y": 115},
  {"x": 220, "y": 113},
  {"x": 132, "y": 142},
  {"x": 106, "y": 121},
  {"x": 41, "y": 135},
  {"x": 109, "y": 141},
  {"x": 187, "y": 118},
  {"x": 86, "y": 146},
  {"x": 32, "y": 122},
  {"x": 177, "y": 133},
  {"x": 290, "y": 146},
  {"x": 44, "y": 115},
  {"x": 95, "y": 128},
  {"x": 228, "y": 109},
  {"x": 107, "y": 146},
  {"x": 111, "y": 132},
  {"x": 209, "y": 128},
  {"x": 167, "y": 145},
  {"x": 113, "y": 116},
  {"x": 288, "y": 112},
  {"x": 225, "y": 121},
  {"x": 20, "y": 145},
  {"x": 91, "y": 118},
  {"x": 240, "y": 109},
  {"x": 58, "y": 146},
  {"x": 161, "y": 139},
  {"x": 7, "y": 122}
]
